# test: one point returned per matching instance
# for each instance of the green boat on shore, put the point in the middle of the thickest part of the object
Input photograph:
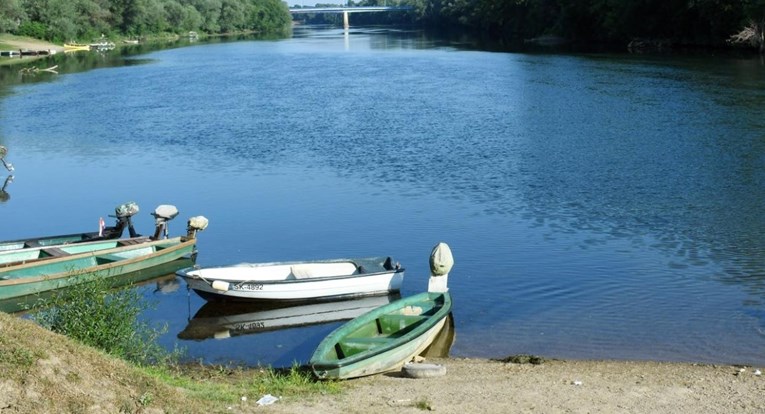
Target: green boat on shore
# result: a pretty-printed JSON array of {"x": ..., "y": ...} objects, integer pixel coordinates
[
  {"x": 386, "y": 338},
  {"x": 383, "y": 339}
]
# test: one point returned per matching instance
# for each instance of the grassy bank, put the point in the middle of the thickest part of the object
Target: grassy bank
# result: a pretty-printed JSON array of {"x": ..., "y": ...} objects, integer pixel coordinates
[{"x": 41, "y": 371}]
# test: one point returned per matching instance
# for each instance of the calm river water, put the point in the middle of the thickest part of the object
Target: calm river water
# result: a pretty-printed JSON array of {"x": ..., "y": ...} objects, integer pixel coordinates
[{"x": 597, "y": 205}]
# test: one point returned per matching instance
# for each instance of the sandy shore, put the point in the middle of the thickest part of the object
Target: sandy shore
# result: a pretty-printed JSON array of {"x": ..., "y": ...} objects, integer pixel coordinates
[
  {"x": 485, "y": 386},
  {"x": 31, "y": 44}
]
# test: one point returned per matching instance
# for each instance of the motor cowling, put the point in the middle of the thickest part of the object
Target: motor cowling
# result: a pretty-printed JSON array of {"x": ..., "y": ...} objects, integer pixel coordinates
[
  {"x": 162, "y": 214},
  {"x": 126, "y": 210}
]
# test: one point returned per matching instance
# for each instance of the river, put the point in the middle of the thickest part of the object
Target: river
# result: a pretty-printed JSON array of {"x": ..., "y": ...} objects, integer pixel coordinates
[{"x": 598, "y": 205}]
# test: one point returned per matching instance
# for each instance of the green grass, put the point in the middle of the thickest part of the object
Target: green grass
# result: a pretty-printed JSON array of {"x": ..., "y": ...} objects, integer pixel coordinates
[
  {"x": 423, "y": 404},
  {"x": 227, "y": 385}
]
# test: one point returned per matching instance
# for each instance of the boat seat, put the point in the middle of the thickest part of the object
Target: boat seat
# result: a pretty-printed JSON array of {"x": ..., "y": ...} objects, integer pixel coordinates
[
  {"x": 351, "y": 346},
  {"x": 130, "y": 242},
  {"x": 108, "y": 258},
  {"x": 367, "y": 340},
  {"x": 54, "y": 251}
]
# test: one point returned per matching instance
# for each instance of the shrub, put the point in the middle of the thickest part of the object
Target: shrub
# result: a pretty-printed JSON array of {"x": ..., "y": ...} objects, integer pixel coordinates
[
  {"x": 94, "y": 314},
  {"x": 32, "y": 29}
]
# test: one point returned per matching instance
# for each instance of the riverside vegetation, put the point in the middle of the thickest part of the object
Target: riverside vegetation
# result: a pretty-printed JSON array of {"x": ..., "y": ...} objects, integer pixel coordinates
[{"x": 691, "y": 23}]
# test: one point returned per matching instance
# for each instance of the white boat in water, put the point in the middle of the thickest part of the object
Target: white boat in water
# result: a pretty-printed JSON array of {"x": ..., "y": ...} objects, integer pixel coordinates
[
  {"x": 297, "y": 281},
  {"x": 220, "y": 320}
]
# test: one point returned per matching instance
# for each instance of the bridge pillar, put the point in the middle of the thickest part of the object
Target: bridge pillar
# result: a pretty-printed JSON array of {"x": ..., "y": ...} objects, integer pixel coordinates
[{"x": 345, "y": 20}]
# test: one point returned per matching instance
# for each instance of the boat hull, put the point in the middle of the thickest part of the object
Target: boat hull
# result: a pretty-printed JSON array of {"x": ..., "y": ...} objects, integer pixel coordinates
[
  {"x": 367, "y": 346},
  {"x": 60, "y": 272},
  {"x": 273, "y": 281}
]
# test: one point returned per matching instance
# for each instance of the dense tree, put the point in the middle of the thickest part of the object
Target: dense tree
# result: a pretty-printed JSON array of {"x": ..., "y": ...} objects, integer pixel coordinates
[
  {"x": 11, "y": 15},
  {"x": 684, "y": 22},
  {"x": 65, "y": 20}
]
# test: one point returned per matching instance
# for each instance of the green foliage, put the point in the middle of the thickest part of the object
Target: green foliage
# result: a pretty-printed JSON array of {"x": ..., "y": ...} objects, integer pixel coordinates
[
  {"x": 11, "y": 14},
  {"x": 95, "y": 315},
  {"x": 693, "y": 22},
  {"x": 423, "y": 404},
  {"x": 32, "y": 29},
  {"x": 67, "y": 20}
]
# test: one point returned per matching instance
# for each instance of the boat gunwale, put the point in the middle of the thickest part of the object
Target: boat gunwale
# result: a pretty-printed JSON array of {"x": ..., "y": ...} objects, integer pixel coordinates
[
  {"x": 120, "y": 243},
  {"x": 291, "y": 281},
  {"x": 184, "y": 273}
]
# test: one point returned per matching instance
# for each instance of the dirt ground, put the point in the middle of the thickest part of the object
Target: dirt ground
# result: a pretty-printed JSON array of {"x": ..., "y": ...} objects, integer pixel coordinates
[
  {"x": 32, "y": 44},
  {"x": 44, "y": 372},
  {"x": 487, "y": 386}
]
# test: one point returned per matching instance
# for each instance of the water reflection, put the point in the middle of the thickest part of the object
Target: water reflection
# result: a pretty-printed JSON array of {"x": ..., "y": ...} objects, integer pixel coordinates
[
  {"x": 442, "y": 344},
  {"x": 3, "y": 152},
  {"x": 4, "y": 196},
  {"x": 220, "y": 320}
]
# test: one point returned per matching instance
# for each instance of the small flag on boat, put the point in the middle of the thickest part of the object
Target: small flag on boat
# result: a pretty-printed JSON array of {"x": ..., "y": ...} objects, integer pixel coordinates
[{"x": 101, "y": 226}]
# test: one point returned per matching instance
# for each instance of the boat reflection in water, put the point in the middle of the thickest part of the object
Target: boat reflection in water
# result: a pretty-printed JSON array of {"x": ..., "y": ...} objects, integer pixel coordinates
[
  {"x": 4, "y": 196},
  {"x": 221, "y": 320},
  {"x": 442, "y": 344}
]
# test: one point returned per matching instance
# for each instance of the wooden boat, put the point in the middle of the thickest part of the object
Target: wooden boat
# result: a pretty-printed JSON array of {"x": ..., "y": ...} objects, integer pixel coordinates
[
  {"x": 64, "y": 269},
  {"x": 386, "y": 338},
  {"x": 220, "y": 320},
  {"x": 163, "y": 275},
  {"x": 297, "y": 281},
  {"x": 123, "y": 214}
]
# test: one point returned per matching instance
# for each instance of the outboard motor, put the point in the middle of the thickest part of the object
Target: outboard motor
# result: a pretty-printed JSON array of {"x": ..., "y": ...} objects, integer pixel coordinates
[
  {"x": 195, "y": 224},
  {"x": 3, "y": 152},
  {"x": 123, "y": 213},
  {"x": 162, "y": 215}
]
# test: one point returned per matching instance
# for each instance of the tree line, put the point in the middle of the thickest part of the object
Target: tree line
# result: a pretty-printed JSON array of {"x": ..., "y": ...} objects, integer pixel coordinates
[
  {"x": 682, "y": 22},
  {"x": 67, "y": 20},
  {"x": 678, "y": 22},
  {"x": 671, "y": 22}
]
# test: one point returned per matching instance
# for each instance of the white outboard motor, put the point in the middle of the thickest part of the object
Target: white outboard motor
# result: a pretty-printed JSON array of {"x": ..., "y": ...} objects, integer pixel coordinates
[
  {"x": 163, "y": 214},
  {"x": 195, "y": 224},
  {"x": 441, "y": 262}
]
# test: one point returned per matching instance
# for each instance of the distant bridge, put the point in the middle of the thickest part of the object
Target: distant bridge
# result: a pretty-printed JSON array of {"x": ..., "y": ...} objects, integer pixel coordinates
[{"x": 347, "y": 10}]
